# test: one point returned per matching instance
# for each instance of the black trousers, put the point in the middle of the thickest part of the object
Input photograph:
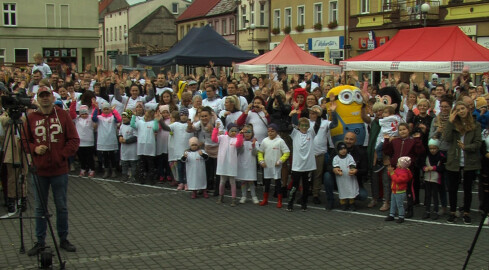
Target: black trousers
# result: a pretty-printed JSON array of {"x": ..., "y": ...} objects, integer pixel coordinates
[
  {"x": 431, "y": 193},
  {"x": 109, "y": 159},
  {"x": 297, "y": 177},
  {"x": 85, "y": 156},
  {"x": 278, "y": 185},
  {"x": 454, "y": 179}
]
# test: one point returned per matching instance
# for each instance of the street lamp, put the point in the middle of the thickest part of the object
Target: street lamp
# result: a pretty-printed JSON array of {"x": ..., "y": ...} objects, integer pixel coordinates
[
  {"x": 126, "y": 49},
  {"x": 252, "y": 30},
  {"x": 425, "y": 8}
]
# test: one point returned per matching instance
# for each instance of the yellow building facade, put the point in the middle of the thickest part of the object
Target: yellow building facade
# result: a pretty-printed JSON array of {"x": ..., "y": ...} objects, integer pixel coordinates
[{"x": 314, "y": 25}]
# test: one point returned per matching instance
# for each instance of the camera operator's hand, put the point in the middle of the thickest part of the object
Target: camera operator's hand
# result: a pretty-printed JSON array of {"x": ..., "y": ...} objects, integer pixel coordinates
[{"x": 41, "y": 149}]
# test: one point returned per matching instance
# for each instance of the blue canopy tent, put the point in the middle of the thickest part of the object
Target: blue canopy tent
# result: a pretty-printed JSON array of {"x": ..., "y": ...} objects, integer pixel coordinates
[{"x": 197, "y": 48}]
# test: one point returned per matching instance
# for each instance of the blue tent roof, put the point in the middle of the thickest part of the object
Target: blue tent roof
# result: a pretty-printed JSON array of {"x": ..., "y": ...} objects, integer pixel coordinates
[{"x": 198, "y": 47}]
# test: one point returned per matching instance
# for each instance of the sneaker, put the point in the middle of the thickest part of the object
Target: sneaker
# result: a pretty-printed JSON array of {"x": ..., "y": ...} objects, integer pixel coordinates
[
  {"x": 162, "y": 179},
  {"x": 344, "y": 207},
  {"x": 242, "y": 200},
  {"x": 233, "y": 202},
  {"x": 255, "y": 200},
  {"x": 194, "y": 194},
  {"x": 451, "y": 218},
  {"x": 180, "y": 187},
  {"x": 66, "y": 245},
  {"x": 72, "y": 167},
  {"x": 11, "y": 205},
  {"x": 185, "y": 187},
  {"x": 205, "y": 194},
  {"x": 316, "y": 200},
  {"x": 389, "y": 218},
  {"x": 353, "y": 207},
  {"x": 467, "y": 219},
  {"x": 304, "y": 208},
  {"x": 220, "y": 200},
  {"x": 426, "y": 215},
  {"x": 372, "y": 203},
  {"x": 82, "y": 173},
  {"x": 35, "y": 249},
  {"x": 400, "y": 220},
  {"x": 386, "y": 206},
  {"x": 91, "y": 174}
]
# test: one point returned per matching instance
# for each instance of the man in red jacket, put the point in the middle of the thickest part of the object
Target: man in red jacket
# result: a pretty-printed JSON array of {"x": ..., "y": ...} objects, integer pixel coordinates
[{"x": 51, "y": 137}]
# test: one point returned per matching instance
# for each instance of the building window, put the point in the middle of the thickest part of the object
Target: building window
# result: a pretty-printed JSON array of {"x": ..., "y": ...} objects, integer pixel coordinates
[
  {"x": 333, "y": 11},
  {"x": 288, "y": 17},
  {"x": 2, "y": 56},
  {"x": 174, "y": 8},
  {"x": 318, "y": 13},
  {"x": 115, "y": 33},
  {"x": 364, "y": 6},
  {"x": 188, "y": 28},
  {"x": 262, "y": 14},
  {"x": 182, "y": 31},
  {"x": 50, "y": 19},
  {"x": 64, "y": 16},
  {"x": 111, "y": 34},
  {"x": 243, "y": 17},
  {"x": 224, "y": 27},
  {"x": 21, "y": 55},
  {"x": 125, "y": 29},
  {"x": 252, "y": 13},
  {"x": 300, "y": 15},
  {"x": 120, "y": 32},
  {"x": 276, "y": 18},
  {"x": 107, "y": 34},
  {"x": 9, "y": 14},
  {"x": 231, "y": 25},
  {"x": 386, "y": 5}
]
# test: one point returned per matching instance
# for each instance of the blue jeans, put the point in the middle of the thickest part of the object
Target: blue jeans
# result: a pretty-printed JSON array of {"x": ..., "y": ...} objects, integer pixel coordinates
[
  {"x": 329, "y": 182},
  {"x": 59, "y": 186},
  {"x": 397, "y": 203}
]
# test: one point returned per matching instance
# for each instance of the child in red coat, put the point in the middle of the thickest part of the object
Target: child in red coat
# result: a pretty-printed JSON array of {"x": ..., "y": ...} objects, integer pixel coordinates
[{"x": 400, "y": 178}]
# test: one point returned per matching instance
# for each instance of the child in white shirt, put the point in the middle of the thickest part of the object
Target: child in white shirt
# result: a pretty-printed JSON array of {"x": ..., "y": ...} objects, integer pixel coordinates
[
  {"x": 146, "y": 146},
  {"x": 128, "y": 138},
  {"x": 84, "y": 126},
  {"x": 389, "y": 125},
  {"x": 195, "y": 158}
]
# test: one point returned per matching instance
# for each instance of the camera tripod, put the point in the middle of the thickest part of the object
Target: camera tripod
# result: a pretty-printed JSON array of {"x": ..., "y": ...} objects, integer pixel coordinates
[
  {"x": 20, "y": 164},
  {"x": 484, "y": 208}
]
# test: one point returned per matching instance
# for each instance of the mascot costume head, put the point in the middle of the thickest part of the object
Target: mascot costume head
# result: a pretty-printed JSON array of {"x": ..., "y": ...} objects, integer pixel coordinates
[
  {"x": 390, "y": 96},
  {"x": 349, "y": 102}
]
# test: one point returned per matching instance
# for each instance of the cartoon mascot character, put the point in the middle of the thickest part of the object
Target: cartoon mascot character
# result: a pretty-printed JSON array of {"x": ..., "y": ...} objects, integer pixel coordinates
[{"x": 349, "y": 103}]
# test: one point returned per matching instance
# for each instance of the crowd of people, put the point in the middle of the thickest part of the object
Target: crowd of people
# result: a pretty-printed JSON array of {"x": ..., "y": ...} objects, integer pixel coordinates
[{"x": 209, "y": 132}]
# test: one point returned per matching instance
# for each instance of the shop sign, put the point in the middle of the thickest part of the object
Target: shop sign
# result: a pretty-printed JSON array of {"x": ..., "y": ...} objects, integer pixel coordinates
[
  {"x": 363, "y": 43},
  {"x": 320, "y": 44},
  {"x": 469, "y": 30}
]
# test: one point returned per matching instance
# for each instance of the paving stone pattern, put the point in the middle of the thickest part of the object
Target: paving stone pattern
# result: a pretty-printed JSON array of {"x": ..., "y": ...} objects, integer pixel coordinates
[{"x": 126, "y": 226}]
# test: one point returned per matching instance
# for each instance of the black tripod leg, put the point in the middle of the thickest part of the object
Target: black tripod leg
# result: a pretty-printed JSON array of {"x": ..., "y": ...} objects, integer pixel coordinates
[{"x": 469, "y": 252}]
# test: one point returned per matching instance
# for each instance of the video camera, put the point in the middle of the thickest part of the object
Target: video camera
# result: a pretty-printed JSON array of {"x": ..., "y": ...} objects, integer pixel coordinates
[
  {"x": 281, "y": 71},
  {"x": 17, "y": 101}
]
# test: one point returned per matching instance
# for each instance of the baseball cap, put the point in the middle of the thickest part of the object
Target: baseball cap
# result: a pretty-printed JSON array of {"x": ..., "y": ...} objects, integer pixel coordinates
[
  {"x": 43, "y": 89},
  {"x": 192, "y": 82}
]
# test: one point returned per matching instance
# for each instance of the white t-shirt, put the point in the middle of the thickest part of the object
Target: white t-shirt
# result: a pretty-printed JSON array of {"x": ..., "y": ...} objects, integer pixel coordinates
[
  {"x": 321, "y": 138},
  {"x": 146, "y": 137},
  {"x": 247, "y": 162},
  {"x": 388, "y": 126},
  {"x": 227, "y": 156},
  {"x": 162, "y": 140},
  {"x": 128, "y": 151},
  {"x": 107, "y": 133},
  {"x": 178, "y": 141},
  {"x": 272, "y": 151},
  {"x": 44, "y": 68},
  {"x": 195, "y": 171},
  {"x": 84, "y": 127},
  {"x": 215, "y": 104},
  {"x": 259, "y": 127},
  {"x": 303, "y": 159}
]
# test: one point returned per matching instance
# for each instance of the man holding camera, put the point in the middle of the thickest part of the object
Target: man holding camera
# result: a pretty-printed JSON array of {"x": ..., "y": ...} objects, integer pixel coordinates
[{"x": 51, "y": 138}]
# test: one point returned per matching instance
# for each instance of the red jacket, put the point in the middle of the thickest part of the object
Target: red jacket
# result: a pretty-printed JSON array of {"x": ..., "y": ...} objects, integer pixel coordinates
[
  {"x": 411, "y": 147},
  {"x": 400, "y": 178},
  {"x": 57, "y": 131}
]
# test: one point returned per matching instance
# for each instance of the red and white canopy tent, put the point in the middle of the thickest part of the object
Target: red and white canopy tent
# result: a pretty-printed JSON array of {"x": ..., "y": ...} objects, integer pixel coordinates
[
  {"x": 429, "y": 49},
  {"x": 286, "y": 54}
]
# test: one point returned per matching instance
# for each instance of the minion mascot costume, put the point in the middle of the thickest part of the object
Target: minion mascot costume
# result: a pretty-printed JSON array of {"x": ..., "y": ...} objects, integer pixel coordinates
[{"x": 349, "y": 102}]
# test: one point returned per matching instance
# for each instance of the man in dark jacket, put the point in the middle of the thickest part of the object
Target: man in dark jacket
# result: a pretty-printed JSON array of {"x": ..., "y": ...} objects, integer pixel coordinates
[
  {"x": 360, "y": 157},
  {"x": 52, "y": 138}
]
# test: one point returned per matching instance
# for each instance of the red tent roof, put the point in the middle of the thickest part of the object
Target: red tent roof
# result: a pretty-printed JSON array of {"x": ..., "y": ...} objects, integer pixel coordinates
[
  {"x": 431, "y": 49},
  {"x": 288, "y": 54},
  {"x": 199, "y": 8}
]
